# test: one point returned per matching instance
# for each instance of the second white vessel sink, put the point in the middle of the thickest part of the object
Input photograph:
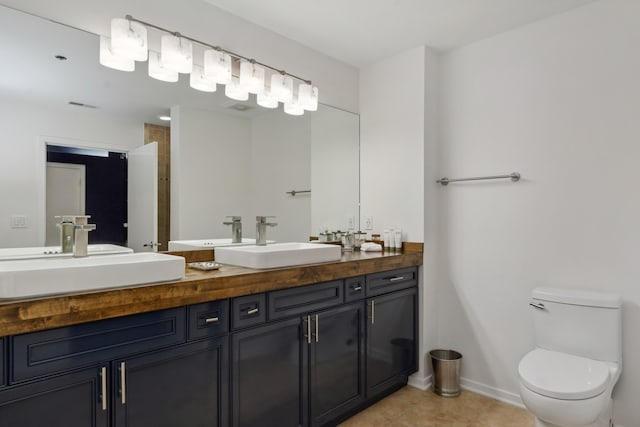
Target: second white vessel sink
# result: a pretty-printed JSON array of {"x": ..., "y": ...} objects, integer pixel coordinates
[
  {"x": 278, "y": 255},
  {"x": 192, "y": 245},
  {"x": 29, "y": 278}
]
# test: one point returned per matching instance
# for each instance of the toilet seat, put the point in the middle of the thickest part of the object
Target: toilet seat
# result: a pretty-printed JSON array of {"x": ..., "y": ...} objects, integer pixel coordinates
[{"x": 563, "y": 376}]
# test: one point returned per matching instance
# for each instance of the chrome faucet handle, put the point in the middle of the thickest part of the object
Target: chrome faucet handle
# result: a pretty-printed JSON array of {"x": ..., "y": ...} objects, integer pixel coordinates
[
  {"x": 263, "y": 220},
  {"x": 235, "y": 219}
]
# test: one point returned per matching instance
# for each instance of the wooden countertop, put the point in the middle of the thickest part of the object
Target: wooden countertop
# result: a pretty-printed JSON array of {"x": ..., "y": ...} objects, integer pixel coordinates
[{"x": 28, "y": 315}]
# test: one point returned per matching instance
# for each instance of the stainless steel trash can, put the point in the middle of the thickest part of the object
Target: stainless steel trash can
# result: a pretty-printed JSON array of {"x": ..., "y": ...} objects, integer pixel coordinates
[{"x": 446, "y": 372}]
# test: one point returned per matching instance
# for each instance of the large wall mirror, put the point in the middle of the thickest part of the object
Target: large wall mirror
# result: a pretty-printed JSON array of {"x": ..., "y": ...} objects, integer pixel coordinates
[{"x": 227, "y": 157}]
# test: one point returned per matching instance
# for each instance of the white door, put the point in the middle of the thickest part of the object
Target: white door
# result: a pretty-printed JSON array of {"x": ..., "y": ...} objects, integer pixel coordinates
[
  {"x": 65, "y": 196},
  {"x": 143, "y": 198}
]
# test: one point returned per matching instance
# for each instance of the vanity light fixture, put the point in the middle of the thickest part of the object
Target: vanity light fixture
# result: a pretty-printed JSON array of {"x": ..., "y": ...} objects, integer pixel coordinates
[{"x": 181, "y": 54}]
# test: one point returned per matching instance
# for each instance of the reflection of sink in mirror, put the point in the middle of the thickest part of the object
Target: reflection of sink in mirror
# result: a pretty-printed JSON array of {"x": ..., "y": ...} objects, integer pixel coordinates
[
  {"x": 55, "y": 252},
  {"x": 278, "y": 255},
  {"x": 192, "y": 245},
  {"x": 35, "y": 277}
]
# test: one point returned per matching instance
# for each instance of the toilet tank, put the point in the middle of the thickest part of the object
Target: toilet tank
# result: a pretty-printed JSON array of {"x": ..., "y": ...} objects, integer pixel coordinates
[{"x": 578, "y": 322}]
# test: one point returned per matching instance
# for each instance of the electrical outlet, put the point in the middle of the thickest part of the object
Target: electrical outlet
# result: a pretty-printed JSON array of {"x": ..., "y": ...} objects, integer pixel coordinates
[
  {"x": 351, "y": 221},
  {"x": 368, "y": 223},
  {"x": 18, "y": 221}
]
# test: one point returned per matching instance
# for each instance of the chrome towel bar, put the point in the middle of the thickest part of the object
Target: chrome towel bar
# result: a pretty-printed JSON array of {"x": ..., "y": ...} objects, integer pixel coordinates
[
  {"x": 515, "y": 176},
  {"x": 294, "y": 192}
]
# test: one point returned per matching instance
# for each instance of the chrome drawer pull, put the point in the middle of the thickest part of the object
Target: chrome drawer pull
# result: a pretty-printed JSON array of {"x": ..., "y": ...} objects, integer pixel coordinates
[
  {"x": 211, "y": 319},
  {"x": 395, "y": 279},
  {"x": 103, "y": 375},
  {"x": 373, "y": 312},
  {"x": 123, "y": 383},
  {"x": 538, "y": 305},
  {"x": 252, "y": 311},
  {"x": 357, "y": 288}
]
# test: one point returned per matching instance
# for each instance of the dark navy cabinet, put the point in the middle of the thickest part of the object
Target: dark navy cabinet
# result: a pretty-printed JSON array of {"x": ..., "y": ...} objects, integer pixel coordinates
[
  {"x": 71, "y": 400},
  {"x": 336, "y": 362},
  {"x": 392, "y": 339},
  {"x": 183, "y": 386},
  {"x": 305, "y": 356},
  {"x": 268, "y": 372}
]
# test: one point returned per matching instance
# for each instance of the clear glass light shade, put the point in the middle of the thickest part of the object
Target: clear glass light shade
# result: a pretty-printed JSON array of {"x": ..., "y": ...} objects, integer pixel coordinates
[
  {"x": 217, "y": 66},
  {"x": 293, "y": 108},
  {"x": 199, "y": 81},
  {"x": 251, "y": 77},
  {"x": 234, "y": 91},
  {"x": 308, "y": 97},
  {"x": 108, "y": 59},
  {"x": 158, "y": 71},
  {"x": 264, "y": 99},
  {"x": 129, "y": 39},
  {"x": 176, "y": 53},
  {"x": 282, "y": 87}
]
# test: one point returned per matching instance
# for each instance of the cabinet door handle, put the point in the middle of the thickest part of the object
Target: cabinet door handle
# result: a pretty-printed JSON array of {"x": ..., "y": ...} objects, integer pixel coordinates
[
  {"x": 356, "y": 288},
  {"x": 308, "y": 336},
  {"x": 373, "y": 312},
  {"x": 317, "y": 336},
  {"x": 123, "y": 383},
  {"x": 211, "y": 319},
  {"x": 103, "y": 390},
  {"x": 252, "y": 311},
  {"x": 395, "y": 279}
]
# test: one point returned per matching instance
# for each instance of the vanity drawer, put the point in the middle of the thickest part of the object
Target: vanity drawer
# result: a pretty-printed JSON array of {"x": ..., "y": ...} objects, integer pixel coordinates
[
  {"x": 295, "y": 301},
  {"x": 3, "y": 364},
  {"x": 249, "y": 310},
  {"x": 354, "y": 289},
  {"x": 209, "y": 319},
  {"x": 71, "y": 347},
  {"x": 389, "y": 281}
]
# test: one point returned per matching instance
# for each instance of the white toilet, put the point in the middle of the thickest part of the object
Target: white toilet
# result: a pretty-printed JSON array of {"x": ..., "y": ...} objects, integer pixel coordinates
[{"x": 567, "y": 380}]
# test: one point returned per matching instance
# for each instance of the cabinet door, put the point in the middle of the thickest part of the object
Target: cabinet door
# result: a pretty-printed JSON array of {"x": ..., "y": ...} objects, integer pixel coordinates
[
  {"x": 184, "y": 386},
  {"x": 269, "y": 379},
  {"x": 71, "y": 400},
  {"x": 336, "y": 380},
  {"x": 391, "y": 339}
]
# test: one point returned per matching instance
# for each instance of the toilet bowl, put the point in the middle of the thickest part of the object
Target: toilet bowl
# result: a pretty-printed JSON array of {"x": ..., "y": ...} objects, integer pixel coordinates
[
  {"x": 567, "y": 380},
  {"x": 566, "y": 390}
]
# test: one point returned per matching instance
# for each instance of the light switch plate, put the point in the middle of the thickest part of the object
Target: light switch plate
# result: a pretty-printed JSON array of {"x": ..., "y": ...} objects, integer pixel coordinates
[{"x": 18, "y": 221}]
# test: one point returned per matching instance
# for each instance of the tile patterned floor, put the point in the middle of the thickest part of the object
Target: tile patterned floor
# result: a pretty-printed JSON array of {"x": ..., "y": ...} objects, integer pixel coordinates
[{"x": 410, "y": 407}]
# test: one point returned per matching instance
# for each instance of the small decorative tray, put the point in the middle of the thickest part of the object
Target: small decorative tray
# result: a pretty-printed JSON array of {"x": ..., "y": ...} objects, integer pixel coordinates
[{"x": 205, "y": 266}]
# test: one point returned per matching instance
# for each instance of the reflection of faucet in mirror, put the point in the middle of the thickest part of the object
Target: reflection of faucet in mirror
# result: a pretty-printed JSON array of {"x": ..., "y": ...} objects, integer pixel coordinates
[
  {"x": 74, "y": 233},
  {"x": 236, "y": 228},
  {"x": 261, "y": 229}
]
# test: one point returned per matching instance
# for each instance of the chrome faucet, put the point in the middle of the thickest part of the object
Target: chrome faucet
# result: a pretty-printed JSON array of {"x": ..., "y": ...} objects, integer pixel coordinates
[
  {"x": 66, "y": 226},
  {"x": 261, "y": 229},
  {"x": 236, "y": 228}
]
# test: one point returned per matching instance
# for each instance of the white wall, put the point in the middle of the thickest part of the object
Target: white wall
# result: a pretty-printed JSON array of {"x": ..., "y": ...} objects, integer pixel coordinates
[
  {"x": 398, "y": 138},
  {"x": 25, "y": 130},
  {"x": 210, "y": 172},
  {"x": 280, "y": 159},
  {"x": 557, "y": 101},
  {"x": 337, "y": 82},
  {"x": 335, "y": 174}
]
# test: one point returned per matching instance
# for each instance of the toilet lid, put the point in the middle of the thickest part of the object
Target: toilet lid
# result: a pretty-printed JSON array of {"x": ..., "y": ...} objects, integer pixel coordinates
[{"x": 563, "y": 376}]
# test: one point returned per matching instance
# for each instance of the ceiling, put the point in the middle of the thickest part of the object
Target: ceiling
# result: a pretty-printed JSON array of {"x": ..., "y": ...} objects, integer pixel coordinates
[{"x": 360, "y": 32}]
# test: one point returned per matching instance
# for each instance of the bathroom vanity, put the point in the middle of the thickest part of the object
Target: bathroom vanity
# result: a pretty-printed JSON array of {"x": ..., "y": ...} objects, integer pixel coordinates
[{"x": 298, "y": 346}]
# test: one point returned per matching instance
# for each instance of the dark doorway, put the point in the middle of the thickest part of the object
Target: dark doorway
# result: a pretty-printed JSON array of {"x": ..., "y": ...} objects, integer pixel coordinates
[{"x": 106, "y": 190}]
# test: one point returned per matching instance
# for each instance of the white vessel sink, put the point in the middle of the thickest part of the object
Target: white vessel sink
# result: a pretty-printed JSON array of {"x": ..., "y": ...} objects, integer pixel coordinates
[
  {"x": 278, "y": 255},
  {"x": 55, "y": 252},
  {"x": 29, "y": 278},
  {"x": 192, "y": 245}
]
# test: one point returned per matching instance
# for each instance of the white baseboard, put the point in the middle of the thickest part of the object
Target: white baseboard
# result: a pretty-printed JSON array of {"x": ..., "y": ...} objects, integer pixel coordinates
[
  {"x": 421, "y": 383},
  {"x": 492, "y": 392}
]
